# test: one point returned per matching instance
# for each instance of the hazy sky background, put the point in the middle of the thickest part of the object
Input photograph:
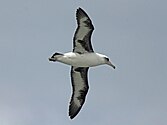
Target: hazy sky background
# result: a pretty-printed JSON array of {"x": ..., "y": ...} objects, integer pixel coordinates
[{"x": 34, "y": 91}]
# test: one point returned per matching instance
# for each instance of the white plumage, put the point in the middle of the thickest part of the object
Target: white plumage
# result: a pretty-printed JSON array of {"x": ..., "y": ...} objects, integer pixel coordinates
[{"x": 81, "y": 59}]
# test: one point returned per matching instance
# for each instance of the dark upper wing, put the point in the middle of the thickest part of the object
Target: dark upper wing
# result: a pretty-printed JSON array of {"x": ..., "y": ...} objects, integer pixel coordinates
[
  {"x": 80, "y": 88},
  {"x": 82, "y": 37}
]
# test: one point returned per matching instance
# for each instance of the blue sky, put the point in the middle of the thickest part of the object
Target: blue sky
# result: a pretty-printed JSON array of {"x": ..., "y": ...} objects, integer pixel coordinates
[{"x": 132, "y": 33}]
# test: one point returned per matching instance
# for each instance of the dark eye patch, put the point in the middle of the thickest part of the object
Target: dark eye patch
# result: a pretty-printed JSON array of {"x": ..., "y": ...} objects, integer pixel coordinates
[{"x": 106, "y": 58}]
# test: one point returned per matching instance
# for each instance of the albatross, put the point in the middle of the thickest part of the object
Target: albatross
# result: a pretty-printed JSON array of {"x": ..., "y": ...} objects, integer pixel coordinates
[{"x": 80, "y": 59}]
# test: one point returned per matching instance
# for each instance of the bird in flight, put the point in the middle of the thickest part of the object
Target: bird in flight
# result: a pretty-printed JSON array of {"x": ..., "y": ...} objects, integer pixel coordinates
[{"x": 81, "y": 58}]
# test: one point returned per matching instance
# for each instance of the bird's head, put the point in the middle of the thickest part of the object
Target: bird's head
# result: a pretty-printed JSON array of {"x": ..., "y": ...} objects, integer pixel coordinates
[{"x": 108, "y": 62}]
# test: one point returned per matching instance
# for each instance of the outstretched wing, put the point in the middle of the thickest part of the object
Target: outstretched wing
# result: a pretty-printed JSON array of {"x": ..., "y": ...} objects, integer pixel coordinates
[
  {"x": 80, "y": 88},
  {"x": 82, "y": 36}
]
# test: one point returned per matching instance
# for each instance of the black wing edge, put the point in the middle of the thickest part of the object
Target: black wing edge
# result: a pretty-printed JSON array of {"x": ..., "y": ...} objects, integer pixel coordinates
[{"x": 73, "y": 108}]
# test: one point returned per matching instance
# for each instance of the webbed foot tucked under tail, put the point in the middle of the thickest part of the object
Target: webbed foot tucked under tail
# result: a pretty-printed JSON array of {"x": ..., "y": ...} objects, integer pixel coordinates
[{"x": 55, "y": 56}]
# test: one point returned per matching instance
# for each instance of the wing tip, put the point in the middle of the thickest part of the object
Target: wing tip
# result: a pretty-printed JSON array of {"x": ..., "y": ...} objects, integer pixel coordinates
[
  {"x": 73, "y": 110},
  {"x": 79, "y": 8},
  {"x": 72, "y": 116},
  {"x": 81, "y": 12}
]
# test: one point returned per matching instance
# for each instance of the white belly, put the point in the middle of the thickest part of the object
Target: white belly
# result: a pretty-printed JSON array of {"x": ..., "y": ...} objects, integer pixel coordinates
[{"x": 82, "y": 60}]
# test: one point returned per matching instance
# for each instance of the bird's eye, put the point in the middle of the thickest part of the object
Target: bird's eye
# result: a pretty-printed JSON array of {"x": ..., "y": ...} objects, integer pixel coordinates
[{"x": 107, "y": 58}]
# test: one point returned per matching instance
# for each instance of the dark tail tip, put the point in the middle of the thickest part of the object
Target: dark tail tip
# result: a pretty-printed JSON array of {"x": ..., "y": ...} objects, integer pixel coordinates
[{"x": 56, "y": 54}]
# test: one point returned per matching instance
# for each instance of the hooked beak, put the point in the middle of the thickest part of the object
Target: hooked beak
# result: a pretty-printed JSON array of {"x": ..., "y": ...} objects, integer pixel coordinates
[{"x": 110, "y": 64}]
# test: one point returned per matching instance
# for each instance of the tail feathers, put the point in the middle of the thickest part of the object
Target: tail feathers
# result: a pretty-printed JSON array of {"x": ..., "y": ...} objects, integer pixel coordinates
[{"x": 55, "y": 56}]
